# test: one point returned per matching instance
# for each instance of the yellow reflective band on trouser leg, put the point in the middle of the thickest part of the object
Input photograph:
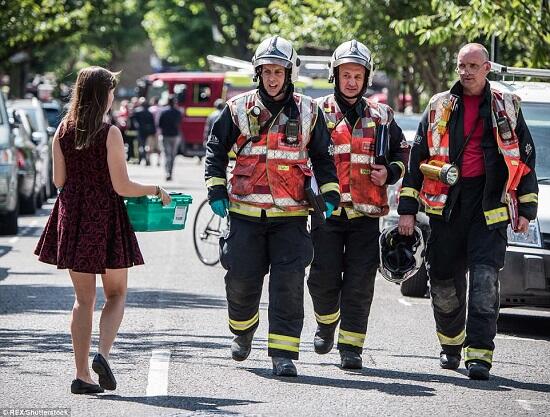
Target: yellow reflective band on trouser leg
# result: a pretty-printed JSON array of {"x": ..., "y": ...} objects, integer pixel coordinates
[
  {"x": 453, "y": 341},
  {"x": 471, "y": 354},
  {"x": 328, "y": 318},
  {"x": 278, "y": 341},
  {"x": 246, "y": 324},
  {"x": 496, "y": 216},
  {"x": 351, "y": 338}
]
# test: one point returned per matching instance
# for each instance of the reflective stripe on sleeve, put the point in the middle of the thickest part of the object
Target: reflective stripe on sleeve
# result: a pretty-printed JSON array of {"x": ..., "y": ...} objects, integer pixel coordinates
[
  {"x": 496, "y": 216},
  {"x": 401, "y": 166},
  {"x": 409, "y": 192},
  {"x": 211, "y": 182},
  {"x": 330, "y": 186},
  {"x": 529, "y": 198}
]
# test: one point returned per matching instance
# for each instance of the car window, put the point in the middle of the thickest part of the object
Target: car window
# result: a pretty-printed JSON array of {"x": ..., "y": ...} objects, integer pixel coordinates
[
  {"x": 53, "y": 116},
  {"x": 537, "y": 117}
]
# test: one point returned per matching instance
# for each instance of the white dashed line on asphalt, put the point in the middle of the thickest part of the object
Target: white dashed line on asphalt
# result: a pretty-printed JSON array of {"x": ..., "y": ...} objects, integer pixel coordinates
[
  {"x": 404, "y": 302},
  {"x": 527, "y": 405},
  {"x": 503, "y": 336},
  {"x": 157, "y": 380}
]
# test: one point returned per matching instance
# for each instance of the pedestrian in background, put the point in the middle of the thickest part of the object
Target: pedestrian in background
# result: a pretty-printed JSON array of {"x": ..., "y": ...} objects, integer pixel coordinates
[
  {"x": 153, "y": 139},
  {"x": 88, "y": 231},
  {"x": 482, "y": 135},
  {"x": 219, "y": 104},
  {"x": 145, "y": 124},
  {"x": 169, "y": 125}
]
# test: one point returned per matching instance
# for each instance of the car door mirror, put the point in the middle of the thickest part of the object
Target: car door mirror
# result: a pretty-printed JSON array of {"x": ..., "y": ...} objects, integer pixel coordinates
[{"x": 37, "y": 137}]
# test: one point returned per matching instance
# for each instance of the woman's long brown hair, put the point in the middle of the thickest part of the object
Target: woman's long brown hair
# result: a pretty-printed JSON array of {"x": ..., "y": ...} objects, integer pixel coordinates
[{"x": 88, "y": 104}]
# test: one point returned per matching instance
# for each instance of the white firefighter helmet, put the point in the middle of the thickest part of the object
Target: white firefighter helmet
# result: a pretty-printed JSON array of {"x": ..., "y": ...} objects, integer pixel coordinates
[
  {"x": 351, "y": 52},
  {"x": 278, "y": 51},
  {"x": 400, "y": 256}
]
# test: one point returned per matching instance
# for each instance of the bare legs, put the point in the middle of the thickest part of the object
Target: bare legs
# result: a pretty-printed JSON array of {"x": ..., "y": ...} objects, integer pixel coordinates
[{"x": 114, "y": 288}]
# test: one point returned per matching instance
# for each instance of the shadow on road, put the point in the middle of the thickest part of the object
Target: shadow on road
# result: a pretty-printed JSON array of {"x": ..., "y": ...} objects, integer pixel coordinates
[
  {"x": 182, "y": 402},
  {"x": 16, "y": 299},
  {"x": 392, "y": 388}
]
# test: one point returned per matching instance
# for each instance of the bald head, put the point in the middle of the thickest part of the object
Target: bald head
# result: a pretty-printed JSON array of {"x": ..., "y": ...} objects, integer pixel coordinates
[
  {"x": 475, "y": 48},
  {"x": 472, "y": 65}
]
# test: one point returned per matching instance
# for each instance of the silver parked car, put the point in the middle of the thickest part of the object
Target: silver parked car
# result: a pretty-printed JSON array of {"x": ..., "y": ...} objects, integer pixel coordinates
[{"x": 9, "y": 193}]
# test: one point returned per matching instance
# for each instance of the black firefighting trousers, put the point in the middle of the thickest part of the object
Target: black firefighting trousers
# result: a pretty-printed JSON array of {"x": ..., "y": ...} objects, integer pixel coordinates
[
  {"x": 466, "y": 244},
  {"x": 248, "y": 253},
  {"x": 341, "y": 278}
]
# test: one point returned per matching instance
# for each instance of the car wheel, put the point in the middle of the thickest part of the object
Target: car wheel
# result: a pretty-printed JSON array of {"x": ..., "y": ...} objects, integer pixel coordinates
[
  {"x": 8, "y": 224},
  {"x": 417, "y": 285}
]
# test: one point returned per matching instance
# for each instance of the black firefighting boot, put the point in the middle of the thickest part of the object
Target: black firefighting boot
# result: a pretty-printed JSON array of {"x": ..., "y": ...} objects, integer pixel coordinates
[
  {"x": 241, "y": 346},
  {"x": 324, "y": 338},
  {"x": 449, "y": 361},
  {"x": 283, "y": 366},
  {"x": 350, "y": 360},
  {"x": 478, "y": 370}
]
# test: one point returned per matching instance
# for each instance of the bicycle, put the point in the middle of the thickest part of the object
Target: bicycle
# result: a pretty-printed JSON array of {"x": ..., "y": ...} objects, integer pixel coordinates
[{"x": 207, "y": 229}]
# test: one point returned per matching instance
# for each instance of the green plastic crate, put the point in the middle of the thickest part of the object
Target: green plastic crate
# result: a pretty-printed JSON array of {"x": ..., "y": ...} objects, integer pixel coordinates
[{"x": 147, "y": 214}]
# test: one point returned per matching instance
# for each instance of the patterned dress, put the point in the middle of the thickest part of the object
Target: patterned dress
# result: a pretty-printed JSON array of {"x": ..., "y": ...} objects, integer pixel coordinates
[{"x": 88, "y": 229}]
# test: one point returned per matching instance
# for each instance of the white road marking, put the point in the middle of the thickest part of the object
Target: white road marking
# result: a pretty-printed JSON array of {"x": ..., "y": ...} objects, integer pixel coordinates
[
  {"x": 528, "y": 404},
  {"x": 503, "y": 336},
  {"x": 13, "y": 239},
  {"x": 157, "y": 380},
  {"x": 404, "y": 302}
]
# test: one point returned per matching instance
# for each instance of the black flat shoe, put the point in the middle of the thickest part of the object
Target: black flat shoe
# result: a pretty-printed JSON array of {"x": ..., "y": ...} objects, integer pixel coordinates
[
  {"x": 101, "y": 367},
  {"x": 80, "y": 387},
  {"x": 283, "y": 367}
]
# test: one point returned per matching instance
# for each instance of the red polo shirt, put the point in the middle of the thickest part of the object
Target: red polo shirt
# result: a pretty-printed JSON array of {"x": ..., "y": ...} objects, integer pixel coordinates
[{"x": 472, "y": 158}]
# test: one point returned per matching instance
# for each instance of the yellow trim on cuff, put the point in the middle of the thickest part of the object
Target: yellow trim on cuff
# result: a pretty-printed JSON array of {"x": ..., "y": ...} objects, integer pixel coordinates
[
  {"x": 211, "y": 182},
  {"x": 277, "y": 341},
  {"x": 401, "y": 165},
  {"x": 330, "y": 186},
  {"x": 246, "y": 324},
  {"x": 328, "y": 318},
  {"x": 351, "y": 338},
  {"x": 529, "y": 198},
  {"x": 453, "y": 341},
  {"x": 471, "y": 354},
  {"x": 496, "y": 215},
  {"x": 409, "y": 192}
]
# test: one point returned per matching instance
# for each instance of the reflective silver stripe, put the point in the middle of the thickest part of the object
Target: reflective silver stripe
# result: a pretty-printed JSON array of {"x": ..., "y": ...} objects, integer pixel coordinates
[
  {"x": 306, "y": 114},
  {"x": 362, "y": 159},
  {"x": 242, "y": 117},
  {"x": 251, "y": 150},
  {"x": 345, "y": 197},
  {"x": 510, "y": 109},
  {"x": 253, "y": 198},
  {"x": 345, "y": 148},
  {"x": 510, "y": 153},
  {"x": 288, "y": 202},
  {"x": 279, "y": 154},
  {"x": 438, "y": 107},
  {"x": 436, "y": 198},
  {"x": 439, "y": 151},
  {"x": 367, "y": 208}
]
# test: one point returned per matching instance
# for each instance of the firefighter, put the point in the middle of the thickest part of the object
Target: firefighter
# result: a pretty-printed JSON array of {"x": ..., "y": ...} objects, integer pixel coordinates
[
  {"x": 472, "y": 166},
  {"x": 273, "y": 131},
  {"x": 370, "y": 153}
]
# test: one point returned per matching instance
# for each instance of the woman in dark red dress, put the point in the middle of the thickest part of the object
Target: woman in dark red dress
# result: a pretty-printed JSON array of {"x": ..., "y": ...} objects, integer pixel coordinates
[{"x": 88, "y": 231}]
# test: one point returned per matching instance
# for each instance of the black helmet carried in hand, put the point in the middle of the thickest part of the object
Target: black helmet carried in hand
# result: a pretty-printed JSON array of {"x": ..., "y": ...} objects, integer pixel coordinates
[{"x": 400, "y": 256}]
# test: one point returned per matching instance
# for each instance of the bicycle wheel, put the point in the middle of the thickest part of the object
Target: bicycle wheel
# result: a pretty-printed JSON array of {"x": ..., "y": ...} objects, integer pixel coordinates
[{"x": 207, "y": 229}]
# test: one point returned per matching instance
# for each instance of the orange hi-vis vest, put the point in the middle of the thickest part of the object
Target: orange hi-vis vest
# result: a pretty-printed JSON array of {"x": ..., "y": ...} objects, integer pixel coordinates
[
  {"x": 270, "y": 174},
  {"x": 434, "y": 193},
  {"x": 354, "y": 153}
]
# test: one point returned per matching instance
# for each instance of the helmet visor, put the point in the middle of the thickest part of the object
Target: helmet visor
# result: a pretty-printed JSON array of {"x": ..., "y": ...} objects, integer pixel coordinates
[{"x": 273, "y": 60}]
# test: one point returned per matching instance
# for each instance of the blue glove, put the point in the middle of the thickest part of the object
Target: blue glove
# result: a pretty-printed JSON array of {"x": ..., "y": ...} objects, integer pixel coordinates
[
  {"x": 329, "y": 210},
  {"x": 220, "y": 207}
]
